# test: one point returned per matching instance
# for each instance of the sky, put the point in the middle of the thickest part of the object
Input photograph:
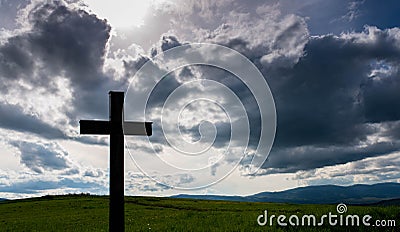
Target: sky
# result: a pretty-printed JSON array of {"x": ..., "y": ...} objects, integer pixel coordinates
[{"x": 244, "y": 96}]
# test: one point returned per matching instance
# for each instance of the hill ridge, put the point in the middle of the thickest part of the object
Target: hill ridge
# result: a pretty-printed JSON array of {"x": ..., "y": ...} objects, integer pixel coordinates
[{"x": 319, "y": 194}]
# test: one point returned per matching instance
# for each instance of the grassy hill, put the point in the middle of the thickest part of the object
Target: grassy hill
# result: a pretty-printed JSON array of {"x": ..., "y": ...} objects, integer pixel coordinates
[{"x": 90, "y": 213}]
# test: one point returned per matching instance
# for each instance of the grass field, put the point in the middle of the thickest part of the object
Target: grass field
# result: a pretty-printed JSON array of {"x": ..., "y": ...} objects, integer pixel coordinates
[{"x": 90, "y": 213}]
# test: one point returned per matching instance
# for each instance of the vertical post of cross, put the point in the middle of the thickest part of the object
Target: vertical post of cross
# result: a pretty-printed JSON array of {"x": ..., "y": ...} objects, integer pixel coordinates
[{"x": 116, "y": 213}]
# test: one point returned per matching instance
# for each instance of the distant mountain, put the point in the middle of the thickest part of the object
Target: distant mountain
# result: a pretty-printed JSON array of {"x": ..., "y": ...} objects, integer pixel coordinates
[
  {"x": 329, "y": 194},
  {"x": 324, "y": 194},
  {"x": 3, "y": 199}
]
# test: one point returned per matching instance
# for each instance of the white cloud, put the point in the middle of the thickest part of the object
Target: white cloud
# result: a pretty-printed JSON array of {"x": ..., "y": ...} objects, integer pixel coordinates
[{"x": 370, "y": 170}]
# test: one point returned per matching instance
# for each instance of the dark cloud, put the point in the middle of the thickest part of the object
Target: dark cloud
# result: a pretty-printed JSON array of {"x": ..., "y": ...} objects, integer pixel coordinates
[
  {"x": 380, "y": 169},
  {"x": 170, "y": 82},
  {"x": 65, "y": 40},
  {"x": 38, "y": 186},
  {"x": 392, "y": 130},
  {"x": 328, "y": 103},
  {"x": 71, "y": 171},
  {"x": 380, "y": 95},
  {"x": 14, "y": 118},
  {"x": 41, "y": 157},
  {"x": 327, "y": 100},
  {"x": 168, "y": 42},
  {"x": 62, "y": 42},
  {"x": 162, "y": 90},
  {"x": 74, "y": 42},
  {"x": 70, "y": 40},
  {"x": 132, "y": 66},
  {"x": 326, "y": 97},
  {"x": 317, "y": 101},
  {"x": 291, "y": 160},
  {"x": 15, "y": 60},
  {"x": 186, "y": 72},
  {"x": 93, "y": 173}
]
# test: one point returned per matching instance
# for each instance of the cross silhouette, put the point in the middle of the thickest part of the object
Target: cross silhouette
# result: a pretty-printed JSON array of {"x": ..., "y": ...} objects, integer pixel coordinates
[{"x": 116, "y": 127}]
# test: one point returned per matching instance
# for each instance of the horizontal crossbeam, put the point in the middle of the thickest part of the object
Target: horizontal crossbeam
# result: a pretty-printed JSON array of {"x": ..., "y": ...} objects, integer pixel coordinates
[
  {"x": 138, "y": 128},
  {"x": 94, "y": 127}
]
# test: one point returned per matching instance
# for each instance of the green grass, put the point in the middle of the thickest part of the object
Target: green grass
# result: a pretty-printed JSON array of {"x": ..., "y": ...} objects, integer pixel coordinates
[{"x": 90, "y": 213}]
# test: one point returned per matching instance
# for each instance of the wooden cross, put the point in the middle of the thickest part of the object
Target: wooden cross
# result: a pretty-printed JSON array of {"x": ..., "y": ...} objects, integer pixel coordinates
[{"x": 116, "y": 127}]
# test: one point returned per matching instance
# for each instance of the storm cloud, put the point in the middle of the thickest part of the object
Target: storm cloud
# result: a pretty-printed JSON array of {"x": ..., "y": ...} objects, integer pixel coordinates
[
  {"x": 13, "y": 117},
  {"x": 41, "y": 157},
  {"x": 336, "y": 97},
  {"x": 333, "y": 93},
  {"x": 62, "y": 42}
]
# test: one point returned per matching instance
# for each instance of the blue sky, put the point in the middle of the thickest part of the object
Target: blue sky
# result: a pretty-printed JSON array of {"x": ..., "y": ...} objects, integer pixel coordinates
[{"x": 331, "y": 66}]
